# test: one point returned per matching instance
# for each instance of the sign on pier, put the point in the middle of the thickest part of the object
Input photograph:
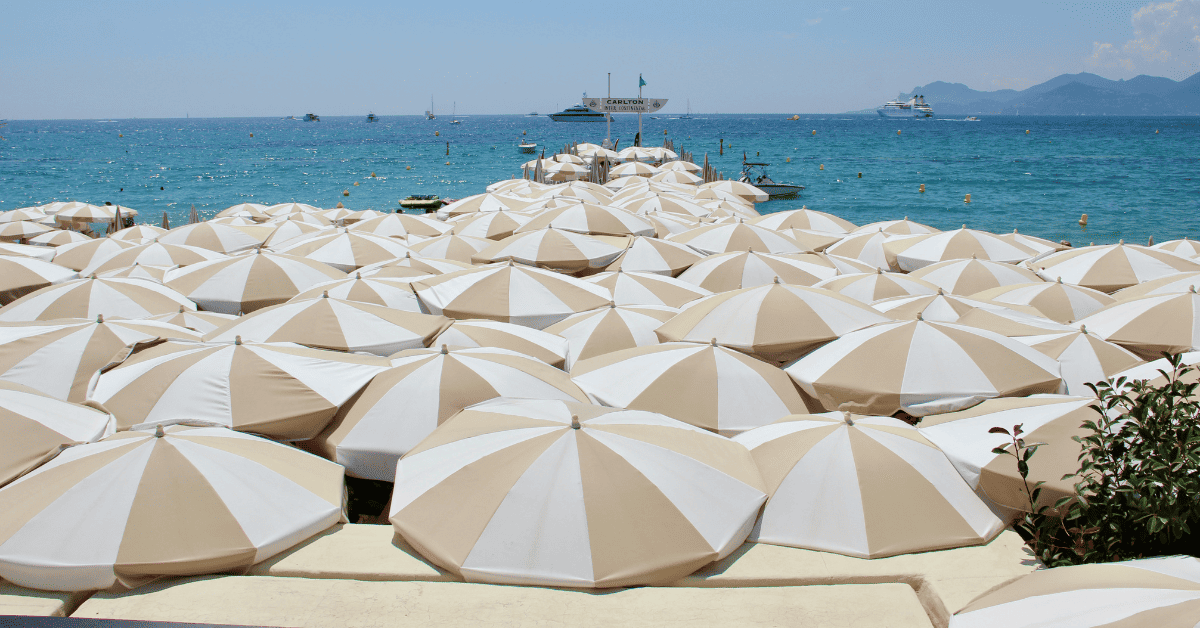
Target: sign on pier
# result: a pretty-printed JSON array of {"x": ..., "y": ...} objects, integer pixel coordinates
[{"x": 627, "y": 105}]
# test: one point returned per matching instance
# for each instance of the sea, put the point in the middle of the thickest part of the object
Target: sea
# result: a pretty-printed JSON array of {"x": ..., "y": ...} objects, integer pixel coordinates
[{"x": 1134, "y": 177}]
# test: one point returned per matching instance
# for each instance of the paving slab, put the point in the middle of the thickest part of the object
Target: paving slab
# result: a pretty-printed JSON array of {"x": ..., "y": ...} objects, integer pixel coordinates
[
  {"x": 353, "y": 552},
  {"x": 15, "y": 600}
]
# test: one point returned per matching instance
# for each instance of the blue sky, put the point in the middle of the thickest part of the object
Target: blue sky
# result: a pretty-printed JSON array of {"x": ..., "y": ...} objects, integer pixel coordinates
[{"x": 167, "y": 59}]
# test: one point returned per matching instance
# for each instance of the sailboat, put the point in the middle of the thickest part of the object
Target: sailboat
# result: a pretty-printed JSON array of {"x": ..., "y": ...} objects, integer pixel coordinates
[
  {"x": 687, "y": 116},
  {"x": 429, "y": 112},
  {"x": 454, "y": 115}
]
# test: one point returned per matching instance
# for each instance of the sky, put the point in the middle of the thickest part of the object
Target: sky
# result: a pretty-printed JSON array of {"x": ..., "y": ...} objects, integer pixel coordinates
[{"x": 164, "y": 59}]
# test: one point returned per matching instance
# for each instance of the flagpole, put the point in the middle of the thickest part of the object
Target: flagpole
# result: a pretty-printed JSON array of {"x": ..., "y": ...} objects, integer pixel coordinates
[{"x": 640, "y": 81}]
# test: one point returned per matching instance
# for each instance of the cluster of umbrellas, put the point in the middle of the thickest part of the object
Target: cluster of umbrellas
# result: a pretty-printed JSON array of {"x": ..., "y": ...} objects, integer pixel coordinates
[{"x": 569, "y": 384}]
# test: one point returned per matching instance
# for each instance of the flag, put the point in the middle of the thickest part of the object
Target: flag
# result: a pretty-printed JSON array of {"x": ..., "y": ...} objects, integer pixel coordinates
[{"x": 641, "y": 81}]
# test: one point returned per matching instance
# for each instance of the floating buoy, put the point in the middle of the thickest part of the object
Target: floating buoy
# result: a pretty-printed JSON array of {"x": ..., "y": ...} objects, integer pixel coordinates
[
  {"x": 789, "y": 160},
  {"x": 340, "y": 206},
  {"x": 251, "y": 135},
  {"x": 522, "y": 133},
  {"x": 1026, "y": 131},
  {"x": 1083, "y": 220},
  {"x": 372, "y": 175},
  {"x": 447, "y": 163},
  {"x": 822, "y": 166},
  {"x": 756, "y": 153},
  {"x": 120, "y": 135},
  {"x": 922, "y": 190},
  {"x": 1156, "y": 131},
  {"x": 860, "y": 175},
  {"x": 356, "y": 183},
  {"x": 664, "y": 131},
  {"x": 814, "y": 131},
  {"x": 1151, "y": 242},
  {"x": 897, "y": 131},
  {"x": 437, "y": 133},
  {"x": 345, "y": 192},
  {"x": 967, "y": 200},
  {"x": 408, "y": 167}
]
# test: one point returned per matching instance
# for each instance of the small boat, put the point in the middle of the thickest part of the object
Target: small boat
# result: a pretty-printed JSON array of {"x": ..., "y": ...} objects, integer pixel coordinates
[
  {"x": 527, "y": 146},
  {"x": 454, "y": 115},
  {"x": 371, "y": 117},
  {"x": 972, "y": 119},
  {"x": 312, "y": 117},
  {"x": 429, "y": 112},
  {"x": 428, "y": 202},
  {"x": 755, "y": 173},
  {"x": 531, "y": 114},
  {"x": 688, "y": 116}
]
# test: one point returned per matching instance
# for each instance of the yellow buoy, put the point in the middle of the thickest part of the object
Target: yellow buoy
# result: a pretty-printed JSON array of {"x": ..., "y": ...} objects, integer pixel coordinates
[
  {"x": 437, "y": 133},
  {"x": 967, "y": 199},
  {"x": 1026, "y": 131},
  {"x": 1156, "y": 131},
  {"x": 789, "y": 160},
  {"x": 408, "y": 167},
  {"x": 814, "y": 131},
  {"x": 447, "y": 163},
  {"x": 120, "y": 135},
  {"x": 356, "y": 183},
  {"x": 251, "y": 135},
  {"x": 372, "y": 175},
  {"x": 860, "y": 175},
  {"x": 922, "y": 190},
  {"x": 1083, "y": 220},
  {"x": 897, "y": 131},
  {"x": 664, "y": 131},
  {"x": 522, "y": 133},
  {"x": 822, "y": 166},
  {"x": 345, "y": 192}
]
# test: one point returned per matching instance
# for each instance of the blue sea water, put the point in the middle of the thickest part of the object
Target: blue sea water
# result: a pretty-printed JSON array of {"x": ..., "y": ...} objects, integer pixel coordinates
[{"x": 1131, "y": 181}]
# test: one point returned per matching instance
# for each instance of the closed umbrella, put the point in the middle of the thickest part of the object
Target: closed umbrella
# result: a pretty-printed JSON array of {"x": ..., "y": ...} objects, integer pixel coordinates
[
  {"x": 404, "y": 404},
  {"x": 714, "y": 239},
  {"x": 1055, "y": 300},
  {"x": 535, "y": 343},
  {"x": 635, "y": 288},
  {"x": 401, "y": 225},
  {"x": 622, "y": 497},
  {"x": 396, "y": 294},
  {"x": 510, "y": 294},
  {"x": 608, "y": 329},
  {"x": 21, "y": 275},
  {"x": 1148, "y": 326},
  {"x": 154, "y": 254},
  {"x": 346, "y": 250},
  {"x": 246, "y": 283},
  {"x": 87, "y": 298},
  {"x": 864, "y": 486},
  {"x": 563, "y": 251},
  {"x": 37, "y": 427},
  {"x": 200, "y": 322},
  {"x": 1109, "y": 268},
  {"x": 871, "y": 287},
  {"x": 960, "y": 244},
  {"x": 218, "y": 237},
  {"x": 730, "y": 271},
  {"x": 1082, "y": 357},
  {"x": 970, "y": 276},
  {"x": 450, "y": 247},
  {"x": 651, "y": 255},
  {"x": 805, "y": 218}
]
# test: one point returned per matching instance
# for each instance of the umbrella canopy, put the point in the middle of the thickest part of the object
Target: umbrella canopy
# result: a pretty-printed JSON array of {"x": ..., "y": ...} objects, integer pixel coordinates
[
  {"x": 897, "y": 227},
  {"x": 510, "y": 294},
  {"x": 88, "y": 298},
  {"x": 284, "y": 209},
  {"x": 362, "y": 215},
  {"x": 37, "y": 426},
  {"x": 776, "y": 322},
  {"x": 401, "y": 225},
  {"x": 491, "y": 225},
  {"x": 623, "y": 497},
  {"x": 59, "y": 238},
  {"x": 871, "y": 287},
  {"x": 22, "y": 229},
  {"x": 60, "y": 357},
  {"x": 1082, "y": 357},
  {"x": 290, "y": 232},
  {"x": 200, "y": 322},
  {"x": 1170, "y": 284},
  {"x": 162, "y": 502},
  {"x": 84, "y": 212},
  {"x": 664, "y": 203},
  {"x": 970, "y": 276},
  {"x": 1055, "y": 300},
  {"x": 738, "y": 236},
  {"x": 22, "y": 214},
  {"x": 869, "y": 247},
  {"x": 44, "y": 253},
  {"x": 804, "y": 218},
  {"x": 1012, "y": 323},
  {"x": 564, "y": 251},
  {"x": 864, "y": 486},
  {"x": 483, "y": 203},
  {"x": 633, "y": 169},
  {"x": 84, "y": 254},
  {"x": 575, "y": 191},
  {"x": 218, "y": 237},
  {"x": 1162, "y": 592},
  {"x": 1184, "y": 247},
  {"x": 589, "y": 218},
  {"x": 246, "y": 283},
  {"x": 1040, "y": 245},
  {"x": 137, "y": 271},
  {"x": 451, "y": 247},
  {"x": 922, "y": 368},
  {"x": 845, "y": 265},
  {"x": 651, "y": 255},
  {"x": 408, "y": 267},
  {"x": 280, "y": 390},
  {"x": 737, "y": 188},
  {"x": 681, "y": 166},
  {"x": 403, "y": 405},
  {"x": 1109, "y": 268},
  {"x": 667, "y": 224},
  {"x": 676, "y": 176},
  {"x": 1148, "y": 326},
  {"x": 238, "y": 221},
  {"x": 636, "y": 153},
  {"x": 21, "y": 275},
  {"x": 730, "y": 271},
  {"x": 634, "y": 288},
  {"x": 960, "y": 244},
  {"x": 705, "y": 385},
  {"x": 253, "y": 211},
  {"x": 939, "y": 308},
  {"x": 535, "y": 343},
  {"x": 335, "y": 324},
  {"x": 608, "y": 329},
  {"x": 153, "y": 254},
  {"x": 346, "y": 250},
  {"x": 813, "y": 240},
  {"x": 391, "y": 293}
]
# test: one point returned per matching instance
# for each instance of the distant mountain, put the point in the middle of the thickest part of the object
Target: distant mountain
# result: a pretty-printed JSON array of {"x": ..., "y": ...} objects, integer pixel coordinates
[{"x": 1070, "y": 94}]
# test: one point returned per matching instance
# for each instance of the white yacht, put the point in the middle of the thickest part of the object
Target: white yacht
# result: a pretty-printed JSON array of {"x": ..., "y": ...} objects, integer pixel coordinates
[
  {"x": 914, "y": 107},
  {"x": 578, "y": 113}
]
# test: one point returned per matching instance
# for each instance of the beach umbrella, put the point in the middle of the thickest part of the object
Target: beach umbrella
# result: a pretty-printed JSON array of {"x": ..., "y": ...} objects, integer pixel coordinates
[
  {"x": 22, "y": 214},
  {"x": 1152, "y": 372},
  {"x": 847, "y": 266},
  {"x": 576, "y": 190},
  {"x": 253, "y": 211},
  {"x": 450, "y": 247},
  {"x": 1083, "y": 358},
  {"x": 664, "y": 204},
  {"x": 705, "y": 385},
  {"x": 37, "y": 427},
  {"x": 311, "y": 219},
  {"x": 279, "y": 390},
  {"x": 245, "y": 283},
  {"x": 409, "y": 267},
  {"x": 777, "y": 322},
  {"x": 1110, "y": 267},
  {"x": 939, "y": 308},
  {"x": 666, "y": 224},
  {"x": 1147, "y": 326},
  {"x": 1055, "y": 300},
  {"x": 492, "y": 225},
  {"x": 622, "y": 497},
  {"x": 608, "y": 329},
  {"x": 200, "y": 322},
  {"x": 1170, "y": 284},
  {"x": 728, "y": 208},
  {"x": 896, "y": 227},
  {"x": 864, "y": 486},
  {"x": 592, "y": 219},
  {"x": 535, "y": 343},
  {"x": 521, "y": 188},
  {"x": 83, "y": 212},
  {"x": 961, "y": 243},
  {"x": 391, "y": 293},
  {"x": 812, "y": 241},
  {"x": 1040, "y": 245},
  {"x": 651, "y": 255},
  {"x": 681, "y": 166},
  {"x": 404, "y": 404},
  {"x": 401, "y": 225},
  {"x": 737, "y": 188},
  {"x": 346, "y": 250},
  {"x": 364, "y": 215},
  {"x": 563, "y": 251},
  {"x": 636, "y": 288},
  {"x": 290, "y": 232},
  {"x": 59, "y": 238},
  {"x": 868, "y": 247},
  {"x": 60, "y": 357},
  {"x": 21, "y": 275},
  {"x": 636, "y": 153},
  {"x": 510, "y": 294},
  {"x": 871, "y": 287},
  {"x": 44, "y": 253},
  {"x": 739, "y": 236},
  {"x": 239, "y": 221},
  {"x": 663, "y": 153},
  {"x": 137, "y": 271},
  {"x": 620, "y": 183},
  {"x": 597, "y": 152},
  {"x": 1013, "y": 323},
  {"x": 1162, "y": 592},
  {"x": 567, "y": 158},
  {"x": 87, "y": 298},
  {"x": 218, "y": 237},
  {"x": 969, "y": 276},
  {"x": 161, "y": 501},
  {"x": 22, "y": 230},
  {"x": 153, "y": 254},
  {"x": 1183, "y": 248},
  {"x": 804, "y": 218},
  {"x": 921, "y": 368},
  {"x": 730, "y": 271},
  {"x": 336, "y": 215},
  {"x": 676, "y": 176},
  {"x": 334, "y": 324},
  {"x": 284, "y": 209}
]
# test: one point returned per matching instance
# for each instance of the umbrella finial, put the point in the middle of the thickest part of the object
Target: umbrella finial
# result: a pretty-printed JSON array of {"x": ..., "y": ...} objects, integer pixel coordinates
[
  {"x": 878, "y": 271},
  {"x": 973, "y": 256},
  {"x": 575, "y": 422},
  {"x": 920, "y": 317},
  {"x": 158, "y": 431},
  {"x": 776, "y": 278},
  {"x": 713, "y": 342},
  {"x": 612, "y": 304},
  {"x": 99, "y": 318},
  {"x": 941, "y": 293},
  {"x": 847, "y": 417},
  {"x": 906, "y": 218},
  {"x": 1192, "y": 289},
  {"x": 445, "y": 350},
  {"x": 358, "y": 275},
  {"x": 181, "y": 310},
  {"x": 237, "y": 340},
  {"x": 324, "y": 294},
  {"x": 1059, "y": 279},
  {"x": 1083, "y": 329}
]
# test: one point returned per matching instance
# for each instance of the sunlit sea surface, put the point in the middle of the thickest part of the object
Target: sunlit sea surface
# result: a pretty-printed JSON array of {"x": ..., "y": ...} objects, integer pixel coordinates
[{"x": 1132, "y": 181}]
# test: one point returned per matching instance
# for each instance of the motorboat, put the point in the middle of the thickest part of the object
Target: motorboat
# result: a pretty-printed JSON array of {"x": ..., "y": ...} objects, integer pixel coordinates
[
  {"x": 531, "y": 114},
  {"x": 427, "y": 202},
  {"x": 527, "y": 146},
  {"x": 371, "y": 117},
  {"x": 578, "y": 113},
  {"x": 914, "y": 107},
  {"x": 755, "y": 173},
  {"x": 972, "y": 119},
  {"x": 312, "y": 117}
]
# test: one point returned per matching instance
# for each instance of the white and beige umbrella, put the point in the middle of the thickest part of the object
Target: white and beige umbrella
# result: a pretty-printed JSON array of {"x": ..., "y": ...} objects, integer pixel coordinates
[
  {"x": 555, "y": 171},
  {"x": 85, "y": 254},
  {"x": 1055, "y": 300},
  {"x": 871, "y": 287},
  {"x": 290, "y": 232},
  {"x": 200, "y": 322},
  {"x": 401, "y": 225},
  {"x": 280, "y": 390},
  {"x": 37, "y": 426},
  {"x": 777, "y": 322},
  {"x": 665, "y": 204},
  {"x": 636, "y": 153},
  {"x": 847, "y": 266},
  {"x": 535, "y": 343},
  {"x": 566, "y": 158},
  {"x": 239, "y": 221},
  {"x": 636, "y": 288},
  {"x": 591, "y": 219},
  {"x": 253, "y": 211},
  {"x": 1083, "y": 358},
  {"x": 22, "y": 230},
  {"x": 864, "y": 486},
  {"x": 805, "y": 218},
  {"x": 969, "y": 276},
  {"x": 922, "y": 368},
  {"x": 363, "y": 215},
  {"x": 522, "y": 188},
  {"x": 616, "y": 185},
  {"x": 346, "y": 250},
  {"x": 666, "y": 224},
  {"x": 459, "y": 248},
  {"x": 681, "y": 166},
  {"x": 406, "y": 403},
  {"x": 336, "y": 215},
  {"x": 218, "y": 237},
  {"x": 310, "y": 219},
  {"x": 84, "y": 212},
  {"x": 741, "y": 190},
  {"x": 705, "y": 385},
  {"x": 1148, "y": 326},
  {"x": 396, "y": 294},
  {"x": 663, "y": 153},
  {"x": 939, "y": 308},
  {"x": 730, "y": 271},
  {"x": 59, "y": 238},
  {"x": 1109, "y": 268},
  {"x": 870, "y": 248},
  {"x": 1170, "y": 284},
  {"x": 738, "y": 236},
  {"x": 813, "y": 241},
  {"x": 60, "y": 357},
  {"x": 1185, "y": 247},
  {"x": 410, "y": 266},
  {"x": 283, "y": 209},
  {"x": 1160, "y": 592},
  {"x": 510, "y": 294},
  {"x": 725, "y": 209},
  {"x": 961, "y": 243},
  {"x": 651, "y": 255},
  {"x": 1152, "y": 372},
  {"x": 44, "y": 253},
  {"x": 137, "y": 271},
  {"x": 334, "y": 324},
  {"x": 20, "y": 276},
  {"x": 896, "y": 227},
  {"x": 576, "y": 190},
  {"x": 608, "y": 329},
  {"x": 157, "y": 502},
  {"x": 154, "y": 254},
  {"x": 87, "y": 298},
  {"x": 676, "y": 176},
  {"x": 245, "y": 283},
  {"x": 1041, "y": 245},
  {"x": 1013, "y": 322},
  {"x": 563, "y": 251},
  {"x": 483, "y": 203},
  {"x": 495, "y": 225},
  {"x": 22, "y": 214},
  {"x": 573, "y": 495}
]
